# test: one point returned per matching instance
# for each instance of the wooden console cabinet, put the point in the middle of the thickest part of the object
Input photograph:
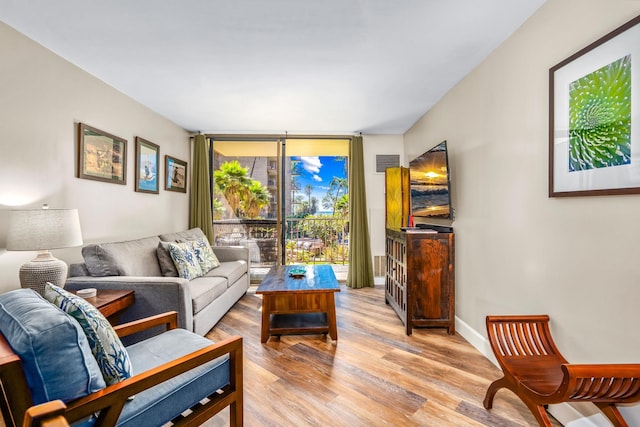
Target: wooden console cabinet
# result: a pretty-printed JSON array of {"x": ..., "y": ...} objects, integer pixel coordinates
[{"x": 420, "y": 278}]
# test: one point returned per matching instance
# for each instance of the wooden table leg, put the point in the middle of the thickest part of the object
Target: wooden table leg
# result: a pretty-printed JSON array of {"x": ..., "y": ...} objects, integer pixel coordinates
[
  {"x": 266, "y": 317},
  {"x": 331, "y": 316}
]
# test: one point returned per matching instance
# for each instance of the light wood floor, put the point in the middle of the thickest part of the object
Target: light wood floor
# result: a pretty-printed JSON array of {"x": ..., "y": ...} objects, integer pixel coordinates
[{"x": 374, "y": 375}]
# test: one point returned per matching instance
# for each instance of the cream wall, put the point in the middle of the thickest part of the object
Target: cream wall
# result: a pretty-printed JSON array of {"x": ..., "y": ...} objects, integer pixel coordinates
[
  {"x": 517, "y": 250},
  {"x": 42, "y": 97},
  {"x": 372, "y": 146}
]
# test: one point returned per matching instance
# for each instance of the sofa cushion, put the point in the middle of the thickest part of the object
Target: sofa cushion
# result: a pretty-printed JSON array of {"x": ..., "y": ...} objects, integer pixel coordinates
[
  {"x": 54, "y": 351},
  {"x": 130, "y": 258},
  {"x": 204, "y": 254},
  {"x": 167, "y": 267},
  {"x": 185, "y": 260},
  {"x": 169, "y": 399},
  {"x": 181, "y": 236},
  {"x": 106, "y": 347},
  {"x": 230, "y": 270},
  {"x": 78, "y": 269},
  {"x": 204, "y": 290}
]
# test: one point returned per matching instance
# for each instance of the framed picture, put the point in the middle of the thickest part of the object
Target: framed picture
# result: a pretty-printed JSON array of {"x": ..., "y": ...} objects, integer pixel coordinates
[
  {"x": 175, "y": 174},
  {"x": 101, "y": 156},
  {"x": 147, "y": 160},
  {"x": 594, "y": 135}
]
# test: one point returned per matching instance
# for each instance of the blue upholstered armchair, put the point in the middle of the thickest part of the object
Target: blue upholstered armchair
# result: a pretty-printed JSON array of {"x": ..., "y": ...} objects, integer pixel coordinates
[{"x": 45, "y": 355}]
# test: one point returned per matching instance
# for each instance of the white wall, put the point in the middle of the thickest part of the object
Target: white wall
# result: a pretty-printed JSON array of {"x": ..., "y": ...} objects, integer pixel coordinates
[
  {"x": 372, "y": 146},
  {"x": 517, "y": 250},
  {"x": 42, "y": 98}
]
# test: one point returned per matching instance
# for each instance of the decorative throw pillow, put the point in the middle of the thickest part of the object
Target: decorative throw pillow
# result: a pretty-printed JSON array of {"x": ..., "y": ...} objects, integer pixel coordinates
[
  {"x": 185, "y": 260},
  {"x": 204, "y": 254},
  {"x": 56, "y": 357},
  {"x": 111, "y": 355},
  {"x": 167, "y": 266}
]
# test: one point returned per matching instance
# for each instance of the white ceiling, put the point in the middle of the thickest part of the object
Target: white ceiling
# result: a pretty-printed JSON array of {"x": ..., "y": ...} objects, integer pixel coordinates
[{"x": 302, "y": 66}]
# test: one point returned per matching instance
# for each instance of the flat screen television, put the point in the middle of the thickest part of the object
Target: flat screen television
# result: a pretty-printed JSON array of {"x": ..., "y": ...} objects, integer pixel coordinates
[{"x": 430, "y": 184}]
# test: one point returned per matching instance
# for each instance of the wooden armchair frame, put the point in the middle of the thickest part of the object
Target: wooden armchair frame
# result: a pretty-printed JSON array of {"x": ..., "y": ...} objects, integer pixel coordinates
[
  {"x": 538, "y": 374},
  {"x": 108, "y": 402},
  {"x": 48, "y": 414}
]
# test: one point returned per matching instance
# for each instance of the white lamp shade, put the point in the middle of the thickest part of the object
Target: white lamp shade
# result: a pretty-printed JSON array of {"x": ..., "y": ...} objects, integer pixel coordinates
[{"x": 43, "y": 229}]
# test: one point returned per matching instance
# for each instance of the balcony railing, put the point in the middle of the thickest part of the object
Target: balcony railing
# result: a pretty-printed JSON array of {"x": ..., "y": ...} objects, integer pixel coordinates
[{"x": 310, "y": 240}]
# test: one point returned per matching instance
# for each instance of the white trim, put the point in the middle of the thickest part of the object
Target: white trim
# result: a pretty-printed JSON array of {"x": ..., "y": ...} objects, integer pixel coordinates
[
  {"x": 570, "y": 417},
  {"x": 476, "y": 339}
]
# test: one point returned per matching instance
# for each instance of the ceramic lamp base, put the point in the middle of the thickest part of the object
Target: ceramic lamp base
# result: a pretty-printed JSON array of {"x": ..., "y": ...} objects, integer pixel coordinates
[{"x": 42, "y": 269}]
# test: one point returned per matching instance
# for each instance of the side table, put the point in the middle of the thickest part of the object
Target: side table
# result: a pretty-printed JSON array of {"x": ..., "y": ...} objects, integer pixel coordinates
[{"x": 111, "y": 302}]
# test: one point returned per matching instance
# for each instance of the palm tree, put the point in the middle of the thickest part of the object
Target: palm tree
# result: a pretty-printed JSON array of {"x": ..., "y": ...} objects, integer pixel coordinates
[
  {"x": 342, "y": 205},
  {"x": 313, "y": 206},
  {"x": 217, "y": 208},
  {"x": 232, "y": 180},
  {"x": 334, "y": 193},
  {"x": 257, "y": 198},
  {"x": 307, "y": 191}
]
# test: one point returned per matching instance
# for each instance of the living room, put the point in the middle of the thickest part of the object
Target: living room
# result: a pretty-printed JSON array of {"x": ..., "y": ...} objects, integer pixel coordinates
[{"x": 518, "y": 251}]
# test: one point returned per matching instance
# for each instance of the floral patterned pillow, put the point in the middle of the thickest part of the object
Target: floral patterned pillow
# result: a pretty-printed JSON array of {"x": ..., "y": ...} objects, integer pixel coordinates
[
  {"x": 111, "y": 355},
  {"x": 185, "y": 260},
  {"x": 204, "y": 254}
]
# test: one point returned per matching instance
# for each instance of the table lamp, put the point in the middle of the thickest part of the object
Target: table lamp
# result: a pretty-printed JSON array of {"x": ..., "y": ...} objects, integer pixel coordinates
[{"x": 41, "y": 230}]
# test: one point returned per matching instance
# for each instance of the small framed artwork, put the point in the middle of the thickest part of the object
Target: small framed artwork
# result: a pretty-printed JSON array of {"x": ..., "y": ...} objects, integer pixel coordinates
[
  {"x": 101, "y": 156},
  {"x": 175, "y": 174},
  {"x": 594, "y": 132},
  {"x": 147, "y": 160}
]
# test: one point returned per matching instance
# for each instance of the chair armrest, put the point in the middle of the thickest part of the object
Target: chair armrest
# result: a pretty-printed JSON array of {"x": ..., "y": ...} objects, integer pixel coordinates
[
  {"x": 619, "y": 383},
  {"x": 169, "y": 320},
  {"x": 48, "y": 414},
  {"x": 110, "y": 400},
  {"x": 13, "y": 385}
]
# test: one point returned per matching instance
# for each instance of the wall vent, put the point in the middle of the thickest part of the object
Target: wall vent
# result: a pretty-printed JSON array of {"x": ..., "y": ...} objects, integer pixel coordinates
[{"x": 384, "y": 161}]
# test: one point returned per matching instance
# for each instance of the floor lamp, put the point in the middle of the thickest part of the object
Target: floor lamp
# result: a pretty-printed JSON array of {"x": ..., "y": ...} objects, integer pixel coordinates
[{"x": 41, "y": 230}]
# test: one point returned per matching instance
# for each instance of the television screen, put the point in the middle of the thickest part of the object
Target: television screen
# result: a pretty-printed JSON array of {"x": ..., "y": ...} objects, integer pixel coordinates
[{"x": 429, "y": 174}]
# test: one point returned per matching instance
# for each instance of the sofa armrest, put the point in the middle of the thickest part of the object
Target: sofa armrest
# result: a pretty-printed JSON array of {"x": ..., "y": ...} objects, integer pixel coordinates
[
  {"x": 167, "y": 320},
  {"x": 153, "y": 295},
  {"x": 231, "y": 253}
]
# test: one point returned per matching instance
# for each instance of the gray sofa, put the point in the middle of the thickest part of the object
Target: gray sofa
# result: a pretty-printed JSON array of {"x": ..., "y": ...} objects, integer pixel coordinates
[{"x": 141, "y": 265}]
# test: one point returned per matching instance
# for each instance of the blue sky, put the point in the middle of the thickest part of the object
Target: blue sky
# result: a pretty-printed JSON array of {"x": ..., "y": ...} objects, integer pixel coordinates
[{"x": 319, "y": 171}]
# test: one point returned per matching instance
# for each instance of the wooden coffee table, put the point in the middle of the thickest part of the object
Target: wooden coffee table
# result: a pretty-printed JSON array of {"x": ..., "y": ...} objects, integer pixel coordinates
[{"x": 304, "y": 305}]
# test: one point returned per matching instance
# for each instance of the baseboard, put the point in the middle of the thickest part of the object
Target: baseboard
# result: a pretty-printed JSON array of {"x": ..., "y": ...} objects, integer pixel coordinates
[
  {"x": 570, "y": 417},
  {"x": 476, "y": 339},
  {"x": 564, "y": 413}
]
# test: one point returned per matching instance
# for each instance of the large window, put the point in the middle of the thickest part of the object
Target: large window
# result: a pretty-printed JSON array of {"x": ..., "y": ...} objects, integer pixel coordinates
[{"x": 284, "y": 199}]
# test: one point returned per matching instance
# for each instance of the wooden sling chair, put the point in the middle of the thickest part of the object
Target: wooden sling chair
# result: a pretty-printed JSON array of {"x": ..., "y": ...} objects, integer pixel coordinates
[{"x": 538, "y": 374}]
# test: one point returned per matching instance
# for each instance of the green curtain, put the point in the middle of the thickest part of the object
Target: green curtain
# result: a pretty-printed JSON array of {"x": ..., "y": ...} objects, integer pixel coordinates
[
  {"x": 200, "y": 209},
  {"x": 360, "y": 272}
]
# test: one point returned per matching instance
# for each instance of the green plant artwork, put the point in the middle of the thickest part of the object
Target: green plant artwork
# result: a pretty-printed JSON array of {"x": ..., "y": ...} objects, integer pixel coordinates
[{"x": 600, "y": 117}]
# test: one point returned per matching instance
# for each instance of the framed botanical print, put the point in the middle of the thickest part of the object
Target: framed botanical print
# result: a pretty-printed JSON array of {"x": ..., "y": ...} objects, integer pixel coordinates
[
  {"x": 147, "y": 162},
  {"x": 594, "y": 119},
  {"x": 101, "y": 155}
]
